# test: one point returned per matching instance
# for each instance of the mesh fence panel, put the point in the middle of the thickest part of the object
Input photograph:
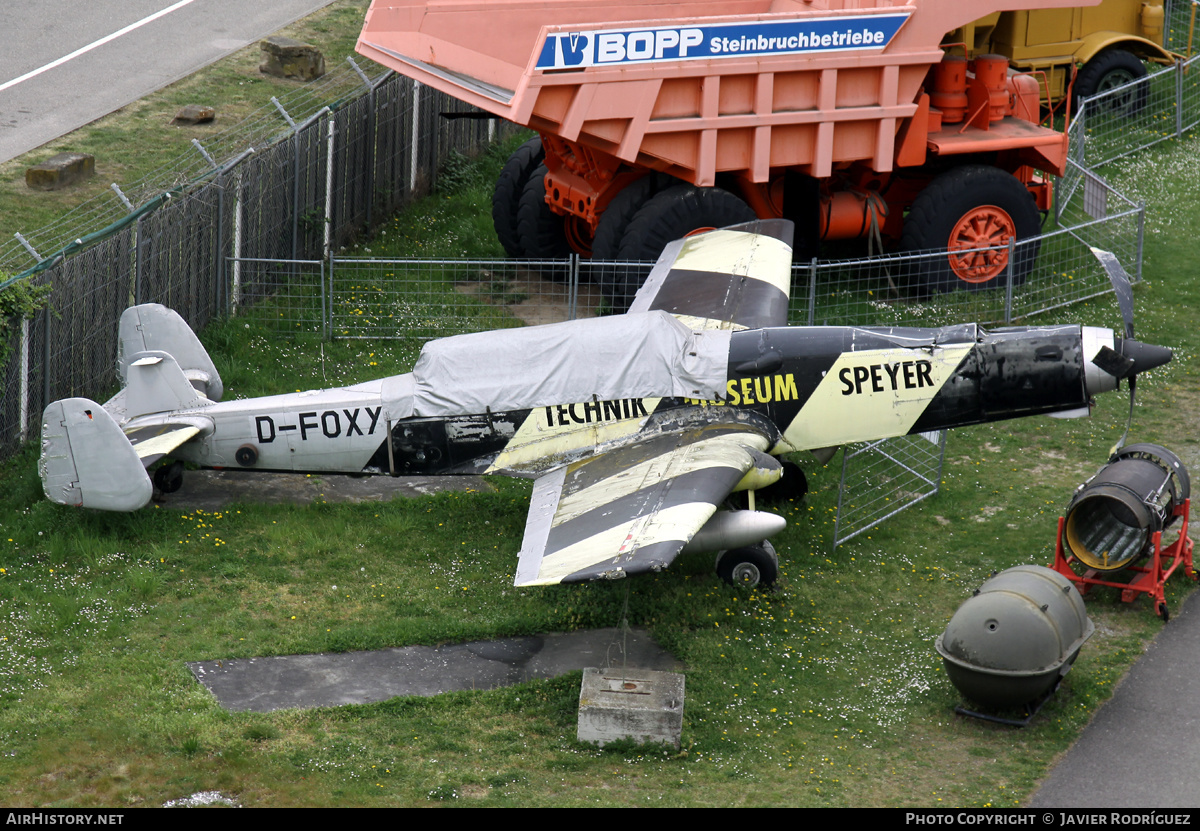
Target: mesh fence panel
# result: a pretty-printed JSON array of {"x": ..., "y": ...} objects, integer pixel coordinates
[
  {"x": 284, "y": 297},
  {"x": 423, "y": 299},
  {"x": 1123, "y": 120},
  {"x": 882, "y": 478},
  {"x": 14, "y": 390},
  {"x": 1179, "y": 30},
  {"x": 76, "y": 344}
]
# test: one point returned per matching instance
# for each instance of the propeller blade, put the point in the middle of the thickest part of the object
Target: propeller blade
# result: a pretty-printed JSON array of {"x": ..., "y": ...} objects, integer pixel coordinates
[
  {"x": 1130, "y": 357},
  {"x": 1120, "y": 283}
]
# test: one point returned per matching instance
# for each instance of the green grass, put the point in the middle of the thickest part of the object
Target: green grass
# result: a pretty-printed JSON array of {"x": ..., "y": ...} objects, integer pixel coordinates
[{"x": 827, "y": 692}]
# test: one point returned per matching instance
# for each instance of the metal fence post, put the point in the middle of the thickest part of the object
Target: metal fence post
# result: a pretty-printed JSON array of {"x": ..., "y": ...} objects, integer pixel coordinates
[
  {"x": 327, "y": 242},
  {"x": 1141, "y": 235},
  {"x": 295, "y": 175},
  {"x": 235, "y": 283},
  {"x": 416, "y": 130},
  {"x": 137, "y": 262},
  {"x": 812, "y": 292},
  {"x": 48, "y": 337},
  {"x": 23, "y": 382},
  {"x": 371, "y": 138},
  {"x": 323, "y": 311},
  {"x": 572, "y": 285},
  {"x": 1179, "y": 98},
  {"x": 1008, "y": 283},
  {"x": 328, "y": 320}
]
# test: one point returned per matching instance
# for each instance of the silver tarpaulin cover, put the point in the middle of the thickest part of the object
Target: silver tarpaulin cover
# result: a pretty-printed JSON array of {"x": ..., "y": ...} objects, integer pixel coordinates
[{"x": 644, "y": 355}]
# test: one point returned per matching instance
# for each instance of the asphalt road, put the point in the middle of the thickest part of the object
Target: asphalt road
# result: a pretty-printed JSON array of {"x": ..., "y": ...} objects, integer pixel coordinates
[{"x": 64, "y": 63}]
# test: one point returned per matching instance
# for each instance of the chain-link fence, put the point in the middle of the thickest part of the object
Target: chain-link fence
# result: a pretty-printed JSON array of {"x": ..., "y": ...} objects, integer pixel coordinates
[
  {"x": 219, "y": 230},
  {"x": 882, "y": 478}
]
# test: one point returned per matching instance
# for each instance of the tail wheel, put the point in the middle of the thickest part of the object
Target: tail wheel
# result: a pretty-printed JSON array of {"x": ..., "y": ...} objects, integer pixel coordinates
[
  {"x": 966, "y": 212},
  {"x": 506, "y": 198},
  {"x": 668, "y": 215},
  {"x": 168, "y": 477}
]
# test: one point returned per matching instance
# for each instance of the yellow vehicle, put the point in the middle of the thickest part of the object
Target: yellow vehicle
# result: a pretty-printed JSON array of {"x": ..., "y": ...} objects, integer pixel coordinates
[{"x": 1109, "y": 44}]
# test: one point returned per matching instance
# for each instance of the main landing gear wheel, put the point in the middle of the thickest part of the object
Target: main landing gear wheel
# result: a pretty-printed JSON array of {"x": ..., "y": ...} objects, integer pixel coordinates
[
  {"x": 967, "y": 209},
  {"x": 668, "y": 215},
  {"x": 506, "y": 199},
  {"x": 1108, "y": 70},
  {"x": 755, "y": 566}
]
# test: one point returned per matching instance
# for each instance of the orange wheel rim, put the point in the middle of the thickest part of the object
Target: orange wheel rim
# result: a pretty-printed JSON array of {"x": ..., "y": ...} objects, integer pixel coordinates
[
  {"x": 703, "y": 230},
  {"x": 972, "y": 252}
]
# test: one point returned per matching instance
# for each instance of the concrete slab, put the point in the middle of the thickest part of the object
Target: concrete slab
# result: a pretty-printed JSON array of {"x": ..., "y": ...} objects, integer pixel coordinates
[
  {"x": 326, "y": 680},
  {"x": 215, "y": 489}
]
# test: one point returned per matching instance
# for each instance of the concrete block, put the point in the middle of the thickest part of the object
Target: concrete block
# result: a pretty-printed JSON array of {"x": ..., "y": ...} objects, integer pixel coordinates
[
  {"x": 60, "y": 171},
  {"x": 287, "y": 58},
  {"x": 194, "y": 114},
  {"x": 637, "y": 704}
]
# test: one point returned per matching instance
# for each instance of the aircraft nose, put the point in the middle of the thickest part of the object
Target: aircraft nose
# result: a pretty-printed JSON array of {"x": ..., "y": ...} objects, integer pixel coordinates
[
  {"x": 1145, "y": 356},
  {"x": 1111, "y": 358}
]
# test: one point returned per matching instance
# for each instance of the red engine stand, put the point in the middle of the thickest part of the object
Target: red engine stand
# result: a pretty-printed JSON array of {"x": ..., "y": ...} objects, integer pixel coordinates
[{"x": 1150, "y": 578}]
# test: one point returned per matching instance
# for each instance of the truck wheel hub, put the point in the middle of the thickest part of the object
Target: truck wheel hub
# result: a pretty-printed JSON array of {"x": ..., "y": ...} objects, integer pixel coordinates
[{"x": 981, "y": 229}]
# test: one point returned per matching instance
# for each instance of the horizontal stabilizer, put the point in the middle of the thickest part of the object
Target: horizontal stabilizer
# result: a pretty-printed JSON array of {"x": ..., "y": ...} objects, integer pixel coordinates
[
  {"x": 154, "y": 441},
  {"x": 87, "y": 461},
  {"x": 152, "y": 327}
]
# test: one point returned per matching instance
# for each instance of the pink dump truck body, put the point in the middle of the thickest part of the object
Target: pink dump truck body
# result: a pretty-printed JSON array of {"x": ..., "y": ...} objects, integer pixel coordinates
[{"x": 750, "y": 97}]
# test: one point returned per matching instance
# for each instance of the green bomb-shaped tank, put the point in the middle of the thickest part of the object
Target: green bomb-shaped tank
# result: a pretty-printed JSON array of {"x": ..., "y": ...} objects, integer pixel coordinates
[{"x": 1010, "y": 643}]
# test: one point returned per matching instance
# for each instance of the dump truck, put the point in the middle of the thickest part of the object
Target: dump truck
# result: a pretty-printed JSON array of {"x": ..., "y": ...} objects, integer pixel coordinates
[
  {"x": 656, "y": 119},
  {"x": 1109, "y": 44}
]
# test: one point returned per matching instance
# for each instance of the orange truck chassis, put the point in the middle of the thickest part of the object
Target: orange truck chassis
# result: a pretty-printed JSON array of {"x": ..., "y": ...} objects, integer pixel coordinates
[{"x": 655, "y": 119}]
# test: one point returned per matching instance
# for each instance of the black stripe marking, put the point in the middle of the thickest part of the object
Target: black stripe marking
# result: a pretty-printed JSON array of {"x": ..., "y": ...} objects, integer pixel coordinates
[{"x": 746, "y": 301}]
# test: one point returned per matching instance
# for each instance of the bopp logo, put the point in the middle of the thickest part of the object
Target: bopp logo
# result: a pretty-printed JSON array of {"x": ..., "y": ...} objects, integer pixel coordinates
[
  {"x": 591, "y": 48},
  {"x": 576, "y": 50}
]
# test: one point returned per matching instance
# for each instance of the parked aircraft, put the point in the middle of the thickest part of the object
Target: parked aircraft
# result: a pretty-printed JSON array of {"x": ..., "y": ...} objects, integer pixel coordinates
[{"x": 634, "y": 427}]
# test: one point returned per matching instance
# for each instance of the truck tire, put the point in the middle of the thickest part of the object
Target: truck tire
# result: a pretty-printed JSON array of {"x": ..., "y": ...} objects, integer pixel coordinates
[
  {"x": 614, "y": 222},
  {"x": 960, "y": 211},
  {"x": 667, "y": 216},
  {"x": 1110, "y": 69},
  {"x": 611, "y": 230},
  {"x": 506, "y": 198},
  {"x": 540, "y": 231}
]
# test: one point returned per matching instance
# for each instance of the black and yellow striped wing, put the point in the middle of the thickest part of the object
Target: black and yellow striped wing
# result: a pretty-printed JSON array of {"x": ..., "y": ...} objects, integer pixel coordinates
[{"x": 632, "y": 509}]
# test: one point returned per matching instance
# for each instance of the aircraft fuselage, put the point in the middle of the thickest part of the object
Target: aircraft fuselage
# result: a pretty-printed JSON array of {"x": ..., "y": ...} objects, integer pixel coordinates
[{"x": 807, "y": 387}]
